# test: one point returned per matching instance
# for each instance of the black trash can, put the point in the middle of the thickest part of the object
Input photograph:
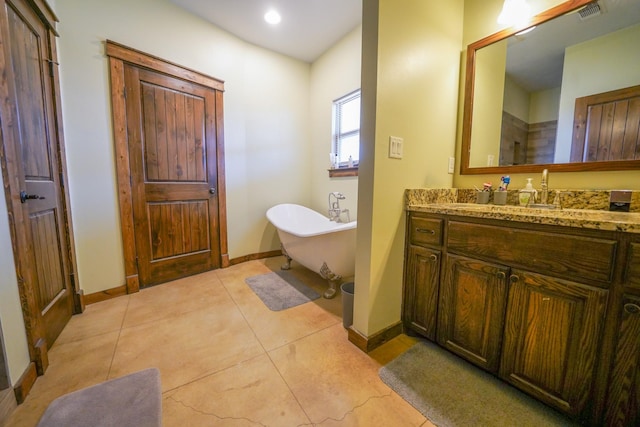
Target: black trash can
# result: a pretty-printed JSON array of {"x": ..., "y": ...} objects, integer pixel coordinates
[{"x": 347, "y": 303}]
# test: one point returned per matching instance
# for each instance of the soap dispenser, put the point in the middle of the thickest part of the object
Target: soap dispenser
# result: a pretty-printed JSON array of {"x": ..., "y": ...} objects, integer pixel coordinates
[{"x": 527, "y": 194}]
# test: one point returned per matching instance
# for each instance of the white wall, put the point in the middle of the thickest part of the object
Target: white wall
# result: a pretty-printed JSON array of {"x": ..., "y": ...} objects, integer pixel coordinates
[
  {"x": 411, "y": 64},
  {"x": 544, "y": 106},
  {"x": 13, "y": 331},
  {"x": 266, "y": 120},
  {"x": 600, "y": 65},
  {"x": 335, "y": 74}
]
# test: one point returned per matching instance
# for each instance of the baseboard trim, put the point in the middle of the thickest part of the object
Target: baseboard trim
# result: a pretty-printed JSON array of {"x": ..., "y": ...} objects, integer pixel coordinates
[
  {"x": 24, "y": 384},
  {"x": 367, "y": 344},
  {"x": 133, "y": 284},
  {"x": 253, "y": 257},
  {"x": 104, "y": 295},
  {"x": 8, "y": 404}
]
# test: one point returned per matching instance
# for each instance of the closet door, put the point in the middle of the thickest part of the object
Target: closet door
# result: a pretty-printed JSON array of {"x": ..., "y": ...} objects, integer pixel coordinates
[{"x": 34, "y": 173}]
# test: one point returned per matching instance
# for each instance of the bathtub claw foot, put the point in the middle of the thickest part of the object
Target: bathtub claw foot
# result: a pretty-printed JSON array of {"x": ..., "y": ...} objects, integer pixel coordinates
[
  {"x": 333, "y": 279},
  {"x": 331, "y": 292},
  {"x": 287, "y": 264}
]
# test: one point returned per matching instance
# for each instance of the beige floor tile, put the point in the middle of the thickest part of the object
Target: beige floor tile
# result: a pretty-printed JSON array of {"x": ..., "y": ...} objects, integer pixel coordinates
[
  {"x": 208, "y": 334},
  {"x": 277, "y": 328},
  {"x": 73, "y": 366},
  {"x": 330, "y": 377},
  {"x": 175, "y": 298},
  {"x": 250, "y": 393},
  {"x": 380, "y": 411},
  {"x": 99, "y": 318},
  {"x": 248, "y": 269},
  {"x": 187, "y": 347}
]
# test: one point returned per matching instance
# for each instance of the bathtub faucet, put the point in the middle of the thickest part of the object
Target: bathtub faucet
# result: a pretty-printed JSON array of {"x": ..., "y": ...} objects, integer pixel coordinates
[{"x": 334, "y": 207}]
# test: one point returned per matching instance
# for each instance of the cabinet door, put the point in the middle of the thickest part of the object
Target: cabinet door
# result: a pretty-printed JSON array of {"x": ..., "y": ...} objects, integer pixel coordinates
[
  {"x": 623, "y": 401},
  {"x": 472, "y": 303},
  {"x": 421, "y": 290},
  {"x": 551, "y": 339}
]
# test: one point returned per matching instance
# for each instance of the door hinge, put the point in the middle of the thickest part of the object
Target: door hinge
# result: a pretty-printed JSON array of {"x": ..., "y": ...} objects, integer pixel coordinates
[
  {"x": 61, "y": 180},
  {"x": 51, "y": 64}
]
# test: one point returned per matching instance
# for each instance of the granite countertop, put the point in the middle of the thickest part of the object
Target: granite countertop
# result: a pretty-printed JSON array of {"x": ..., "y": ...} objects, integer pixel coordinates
[{"x": 581, "y": 218}]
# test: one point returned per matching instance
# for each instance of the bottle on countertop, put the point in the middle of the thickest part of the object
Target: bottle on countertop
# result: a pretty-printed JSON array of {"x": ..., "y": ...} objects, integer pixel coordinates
[{"x": 528, "y": 194}]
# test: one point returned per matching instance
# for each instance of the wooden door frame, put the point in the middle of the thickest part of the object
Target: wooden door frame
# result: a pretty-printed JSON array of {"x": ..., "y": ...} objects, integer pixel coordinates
[
  {"x": 118, "y": 55},
  {"x": 11, "y": 170}
]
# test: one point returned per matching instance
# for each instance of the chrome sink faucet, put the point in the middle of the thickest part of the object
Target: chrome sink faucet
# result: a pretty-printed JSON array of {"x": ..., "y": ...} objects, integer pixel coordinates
[{"x": 544, "y": 188}]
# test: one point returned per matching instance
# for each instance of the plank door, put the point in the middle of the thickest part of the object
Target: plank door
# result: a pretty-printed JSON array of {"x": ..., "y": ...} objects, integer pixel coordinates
[
  {"x": 171, "y": 127},
  {"x": 37, "y": 164},
  {"x": 607, "y": 126}
]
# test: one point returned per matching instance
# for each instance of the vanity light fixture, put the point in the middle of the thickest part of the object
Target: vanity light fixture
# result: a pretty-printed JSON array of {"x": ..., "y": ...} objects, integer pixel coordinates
[
  {"x": 514, "y": 13},
  {"x": 272, "y": 17}
]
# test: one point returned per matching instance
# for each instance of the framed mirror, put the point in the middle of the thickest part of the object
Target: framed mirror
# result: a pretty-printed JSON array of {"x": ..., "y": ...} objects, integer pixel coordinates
[{"x": 561, "y": 93}]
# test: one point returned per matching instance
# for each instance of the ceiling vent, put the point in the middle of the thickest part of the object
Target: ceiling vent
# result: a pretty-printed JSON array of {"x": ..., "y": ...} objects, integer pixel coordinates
[{"x": 590, "y": 11}]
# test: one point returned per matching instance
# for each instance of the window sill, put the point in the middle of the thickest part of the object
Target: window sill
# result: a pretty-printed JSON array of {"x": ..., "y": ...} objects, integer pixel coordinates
[{"x": 342, "y": 172}]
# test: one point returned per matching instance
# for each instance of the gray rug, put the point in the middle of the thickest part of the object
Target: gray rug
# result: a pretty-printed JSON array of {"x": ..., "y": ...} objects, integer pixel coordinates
[
  {"x": 281, "y": 290},
  {"x": 128, "y": 401},
  {"x": 451, "y": 392}
]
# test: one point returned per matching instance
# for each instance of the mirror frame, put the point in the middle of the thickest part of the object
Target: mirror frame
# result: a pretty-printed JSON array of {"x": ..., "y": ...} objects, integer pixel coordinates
[{"x": 561, "y": 9}]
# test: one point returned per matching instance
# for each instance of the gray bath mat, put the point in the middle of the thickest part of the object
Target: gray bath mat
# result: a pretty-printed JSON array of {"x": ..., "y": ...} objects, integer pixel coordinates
[
  {"x": 281, "y": 290},
  {"x": 451, "y": 392}
]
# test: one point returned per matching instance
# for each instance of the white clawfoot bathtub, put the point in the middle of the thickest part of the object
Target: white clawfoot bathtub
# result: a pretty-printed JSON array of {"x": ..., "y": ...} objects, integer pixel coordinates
[{"x": 323, "y": 246}]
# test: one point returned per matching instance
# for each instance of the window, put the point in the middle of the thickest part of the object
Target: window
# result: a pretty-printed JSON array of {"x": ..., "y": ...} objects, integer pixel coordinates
[{"x": 346, "y": 129}]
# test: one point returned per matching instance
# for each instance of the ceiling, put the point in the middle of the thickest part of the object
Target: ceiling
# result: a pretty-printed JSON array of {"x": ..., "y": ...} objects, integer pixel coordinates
[
  {"x": 307, "y": 30},
  {"x": 535, "y": 60}
]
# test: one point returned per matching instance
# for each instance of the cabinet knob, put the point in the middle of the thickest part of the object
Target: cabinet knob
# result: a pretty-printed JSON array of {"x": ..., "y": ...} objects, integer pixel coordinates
[
  {"x": 514, "y": 279},
  {"x": 501, "y": 275},
  {"x": 632, "y": 308},
  {"x": 433, "y": 257}
]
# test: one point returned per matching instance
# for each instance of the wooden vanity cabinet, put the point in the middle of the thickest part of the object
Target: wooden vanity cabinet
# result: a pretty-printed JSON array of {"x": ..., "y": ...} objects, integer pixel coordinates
[
  {"x": 472, "y": 301},
  {"x": 552, "y": 332},
  {"x": 526, "y": 302},
  {"x": 421, "y": 290},
  {"x": 422, "y": 275},
  {"x": 623, "y": 397}
]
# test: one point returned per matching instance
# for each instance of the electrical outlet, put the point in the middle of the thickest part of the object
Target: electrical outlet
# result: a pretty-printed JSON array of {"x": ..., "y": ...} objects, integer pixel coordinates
[
  {"x": 452, "y": 164},
  {"x": 395, "y": 147},
  {"x": 490, "y": 160}
]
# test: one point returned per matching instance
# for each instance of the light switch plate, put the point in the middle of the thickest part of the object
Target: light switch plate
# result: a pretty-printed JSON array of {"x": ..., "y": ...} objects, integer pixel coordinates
[
  {"x": 395, "y": 147},
  {"x": 452, "y": 164}
]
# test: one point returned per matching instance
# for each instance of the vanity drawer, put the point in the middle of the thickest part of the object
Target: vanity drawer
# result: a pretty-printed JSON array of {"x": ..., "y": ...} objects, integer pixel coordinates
[
  {"x": 633, "y": 266},
  {"x": 562, "y": 255},
  {"x": 425, "y": 231}
]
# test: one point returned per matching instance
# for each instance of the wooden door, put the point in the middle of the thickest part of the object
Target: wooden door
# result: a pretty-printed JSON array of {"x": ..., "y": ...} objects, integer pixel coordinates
[
  {"x": 174, "y": 148},
  {"x": 471, "y": 310},
  {"x": 607, "y": 126},
  {"x": 33, "y": 166},
  {"x": 552, "y": 342},
  {"x": 421, "y": 290}
]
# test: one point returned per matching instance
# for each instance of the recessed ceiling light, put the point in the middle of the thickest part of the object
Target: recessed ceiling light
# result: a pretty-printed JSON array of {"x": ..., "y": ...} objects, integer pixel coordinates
[{"x": 272, "y": 17}]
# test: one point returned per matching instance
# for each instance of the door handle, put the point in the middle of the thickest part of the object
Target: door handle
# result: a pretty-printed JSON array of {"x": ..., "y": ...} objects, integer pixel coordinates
[
  {"x": 212, "y": 190},
  {"x": 24, "y": 197}
]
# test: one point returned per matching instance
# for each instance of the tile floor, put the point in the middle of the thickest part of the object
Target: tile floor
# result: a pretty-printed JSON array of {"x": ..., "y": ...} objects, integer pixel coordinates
[{"x": 225, "y": 359}]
